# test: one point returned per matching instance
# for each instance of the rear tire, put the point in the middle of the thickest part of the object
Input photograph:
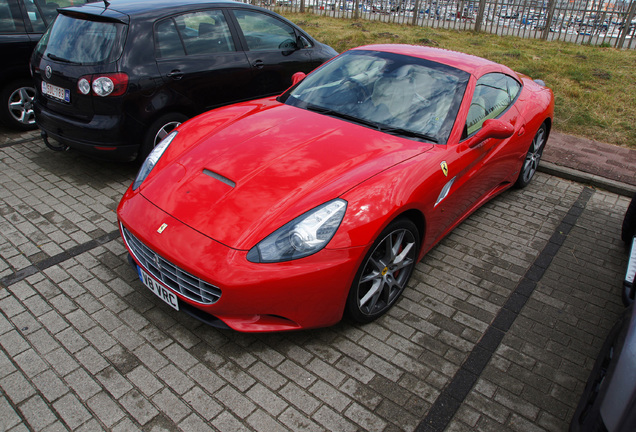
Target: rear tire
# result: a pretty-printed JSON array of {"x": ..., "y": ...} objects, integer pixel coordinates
[
  {"x": 17, "y": 105},
  {"x": 158, "y": 130},
  {"x": 533, "y": 157}
]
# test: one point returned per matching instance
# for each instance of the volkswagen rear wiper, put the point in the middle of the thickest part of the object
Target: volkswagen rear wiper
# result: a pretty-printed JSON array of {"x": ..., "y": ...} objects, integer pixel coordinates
[{"x": 60, "y": 59}]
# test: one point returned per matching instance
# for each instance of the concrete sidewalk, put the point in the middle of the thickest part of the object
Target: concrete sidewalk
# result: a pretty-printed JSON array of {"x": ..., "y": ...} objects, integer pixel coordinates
[{"x": 602, "y": 165}]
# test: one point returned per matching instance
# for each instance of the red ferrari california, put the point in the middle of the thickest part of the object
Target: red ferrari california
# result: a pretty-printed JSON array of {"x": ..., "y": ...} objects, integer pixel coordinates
[{"x": 286, "y": 213}]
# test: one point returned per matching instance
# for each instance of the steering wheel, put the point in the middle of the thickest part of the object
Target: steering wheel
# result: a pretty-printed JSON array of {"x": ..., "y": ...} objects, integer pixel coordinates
[{"x": 287, "y": 45}]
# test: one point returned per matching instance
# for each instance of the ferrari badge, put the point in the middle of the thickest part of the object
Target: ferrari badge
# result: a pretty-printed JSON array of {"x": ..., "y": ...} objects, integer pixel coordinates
[
  {"x": 444, "y": 166},
  {"x": 162, "y": 227}
]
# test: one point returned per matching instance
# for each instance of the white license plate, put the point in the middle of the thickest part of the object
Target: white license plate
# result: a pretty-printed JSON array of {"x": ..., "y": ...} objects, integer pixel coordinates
[
  {"x": 56, "y": 92},
  {"x": 160, "y": 291}
]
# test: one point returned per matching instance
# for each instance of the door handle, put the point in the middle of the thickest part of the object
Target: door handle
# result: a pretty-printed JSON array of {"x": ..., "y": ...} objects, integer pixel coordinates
[
  {"x": 521, "y": 131},
  {"x": 258, "y": 64},
  {"x": 175, "y": 74}
]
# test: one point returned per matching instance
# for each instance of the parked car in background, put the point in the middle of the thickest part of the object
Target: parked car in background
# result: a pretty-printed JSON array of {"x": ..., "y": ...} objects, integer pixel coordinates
[
  {"x": 282, "y": 213},
  {"x": 608, "y": 402},
  {"x": 22, "y": 23},
  {"x": 114, "y": 78}
]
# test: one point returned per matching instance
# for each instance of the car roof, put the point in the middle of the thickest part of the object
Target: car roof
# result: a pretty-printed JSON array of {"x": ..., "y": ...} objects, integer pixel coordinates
[
  {"x": 466, "y": 62},
  {"x": 149, "y": 8}
]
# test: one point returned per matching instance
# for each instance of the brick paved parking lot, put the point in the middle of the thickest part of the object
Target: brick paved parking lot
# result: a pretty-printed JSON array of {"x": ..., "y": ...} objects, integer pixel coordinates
[{"x": 497, "y": 331}]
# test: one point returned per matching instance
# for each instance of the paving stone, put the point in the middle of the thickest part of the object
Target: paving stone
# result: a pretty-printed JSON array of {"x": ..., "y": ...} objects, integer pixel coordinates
[
  {"x": 83, "y": 385},
  {"x": 138, "y": 406},
  {"x": 202, "y": 403},
  {"x": 196, "y": 424},
  {"x": 72, "y": 411},
  {"x": 331, "y": 420},
  {"x": 262, "y": 421},
  {"x": 8, "y": 417},
  {"x": 85, "y": 343},
  {"x": 114, "y": 382},
  {"x": 37, "y": 414},
  {"x": 206, "y": 377},
  {"x": 294, "y": 420},
  {"x": 267, "y": 375},
  {"x": 144, "y": 380},
  {"x": 235, "y": 401},
  {"x": 17, "y": 387},
  {"x": 150, "y": 357},
  {"x": 171, "y": 405},
  {"x": 105, "y": 409},
  {"x": 175, "y": 379},
  {"x": 226, "y": 422},
  {"x": 300, "y": 398}
]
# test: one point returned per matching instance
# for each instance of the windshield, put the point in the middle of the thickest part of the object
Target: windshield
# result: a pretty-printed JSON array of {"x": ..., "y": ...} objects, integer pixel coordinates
[
  {"x": 80, "y": 41},
  {"x": 394, "y": 93}
]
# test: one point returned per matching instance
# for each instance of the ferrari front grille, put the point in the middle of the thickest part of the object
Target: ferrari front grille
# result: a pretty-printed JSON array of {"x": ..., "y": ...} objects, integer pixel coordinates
[{"x": 169, "y": 274}]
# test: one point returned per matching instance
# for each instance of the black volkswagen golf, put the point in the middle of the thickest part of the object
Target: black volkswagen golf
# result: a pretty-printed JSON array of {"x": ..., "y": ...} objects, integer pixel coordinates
[{"x": 113, "y": 78}]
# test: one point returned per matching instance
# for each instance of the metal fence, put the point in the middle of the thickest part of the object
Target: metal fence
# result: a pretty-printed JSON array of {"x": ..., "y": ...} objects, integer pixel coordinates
[{"x": 595, "y": 22}]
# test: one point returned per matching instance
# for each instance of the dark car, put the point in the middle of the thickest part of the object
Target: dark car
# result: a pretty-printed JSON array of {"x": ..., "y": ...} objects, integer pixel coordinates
[
  {"x": 608, "y": 402},
  {"x": 22, "y": 23},
  {"x": 628, "y": 234},
  {"x": 113, "y": 78}
]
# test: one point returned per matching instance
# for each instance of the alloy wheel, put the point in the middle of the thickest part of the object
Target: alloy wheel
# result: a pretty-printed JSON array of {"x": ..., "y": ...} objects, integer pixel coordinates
[{"x": 386, "y": 272}]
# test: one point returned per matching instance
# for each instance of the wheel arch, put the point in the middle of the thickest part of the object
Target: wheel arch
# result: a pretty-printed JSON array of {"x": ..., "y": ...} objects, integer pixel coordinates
[
  {"x": 548, "y": 124},
  {"x": 415, "y": 216}
]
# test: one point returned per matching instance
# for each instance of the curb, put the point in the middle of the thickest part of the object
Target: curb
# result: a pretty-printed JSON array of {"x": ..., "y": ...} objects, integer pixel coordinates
[{"x": 586, "y": 178}]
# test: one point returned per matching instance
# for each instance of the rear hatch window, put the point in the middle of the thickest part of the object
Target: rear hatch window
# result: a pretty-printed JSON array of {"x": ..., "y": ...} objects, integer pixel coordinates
[{"x": 83, "y": 41}]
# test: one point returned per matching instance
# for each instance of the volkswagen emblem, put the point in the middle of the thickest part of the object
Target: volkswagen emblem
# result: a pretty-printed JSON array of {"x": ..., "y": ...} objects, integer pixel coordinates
[{"x": 48, "y": 72}]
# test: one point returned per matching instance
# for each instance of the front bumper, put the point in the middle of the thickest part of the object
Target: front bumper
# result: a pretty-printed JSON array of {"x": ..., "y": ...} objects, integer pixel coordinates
[{"x": 301, "y": 294}]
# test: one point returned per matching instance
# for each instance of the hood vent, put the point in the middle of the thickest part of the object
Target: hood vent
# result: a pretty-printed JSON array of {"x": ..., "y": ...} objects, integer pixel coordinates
[{"x": 219, "y": 177}]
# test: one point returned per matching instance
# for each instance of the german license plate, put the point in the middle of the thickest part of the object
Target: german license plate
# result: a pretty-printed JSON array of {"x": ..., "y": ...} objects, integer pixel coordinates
[
  {"x": 160, "y": 291},
  {"x": 56, "y": 92}
]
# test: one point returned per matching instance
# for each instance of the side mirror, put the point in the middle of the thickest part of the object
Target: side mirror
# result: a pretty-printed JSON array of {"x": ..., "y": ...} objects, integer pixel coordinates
[
  {"x": 492, "y": 128},
  {"x": 298, "y": 77}
]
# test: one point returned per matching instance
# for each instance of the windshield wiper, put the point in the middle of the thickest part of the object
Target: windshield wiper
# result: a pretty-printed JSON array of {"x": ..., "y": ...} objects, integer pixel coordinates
[
  {"x": 330, "y": 112},
  {"x": 382, "y": 128},
  {"x": 408, "y": 133},
  {"x": 60, "y": 59}
]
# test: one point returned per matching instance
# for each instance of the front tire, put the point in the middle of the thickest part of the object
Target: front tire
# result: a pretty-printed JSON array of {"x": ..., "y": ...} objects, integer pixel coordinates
[
  {"x": 385, "y": 271},
  {"x": 17, "y": 105},
  {"x": 533, "y": 157}
]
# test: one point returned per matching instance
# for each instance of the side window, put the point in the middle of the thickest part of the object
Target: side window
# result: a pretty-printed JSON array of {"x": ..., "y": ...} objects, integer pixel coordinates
[
  {"x": 195, "y": 33},
  {"x": 264, "y": 32},
  {"x": 9, "y": 24},
  {"x": 168, "y": 41},
  {"x": 41, "y": 14},
  {"x": 494, "y": 93}
]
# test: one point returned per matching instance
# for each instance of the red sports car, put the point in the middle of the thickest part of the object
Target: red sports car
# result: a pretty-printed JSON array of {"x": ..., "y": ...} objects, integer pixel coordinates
[{"x": 285, "y": 213}]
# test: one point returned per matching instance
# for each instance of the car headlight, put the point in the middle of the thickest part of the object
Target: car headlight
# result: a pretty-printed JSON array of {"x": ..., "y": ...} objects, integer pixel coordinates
[
  {"x": 303, "y": 236},
  {"x": 152, "y": 159}
]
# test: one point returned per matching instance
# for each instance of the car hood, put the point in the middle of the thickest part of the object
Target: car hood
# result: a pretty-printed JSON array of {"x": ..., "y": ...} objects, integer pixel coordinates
[{"x": 256, "y": 167}]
